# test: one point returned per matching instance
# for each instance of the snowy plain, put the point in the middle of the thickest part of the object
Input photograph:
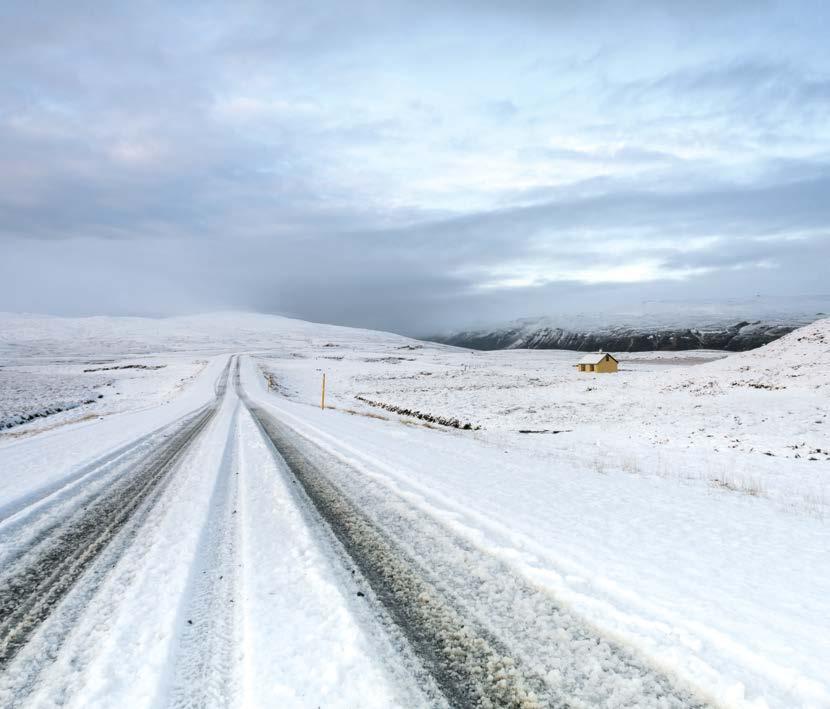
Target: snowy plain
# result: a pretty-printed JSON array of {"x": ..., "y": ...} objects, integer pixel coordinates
[{"x": 681, "y": 507}]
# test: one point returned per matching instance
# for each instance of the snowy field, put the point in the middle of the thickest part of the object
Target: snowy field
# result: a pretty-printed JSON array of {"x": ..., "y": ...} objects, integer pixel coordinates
[
  {"x": 756, "y": 422},
  {"x": 44, "y": 393},
  {"x": 679, "y": 507}
]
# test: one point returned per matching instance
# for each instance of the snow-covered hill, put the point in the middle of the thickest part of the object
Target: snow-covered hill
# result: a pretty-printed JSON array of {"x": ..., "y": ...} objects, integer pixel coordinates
[
  {"x": 796, "y": 360},
  {"x": 27, "y": 335}
]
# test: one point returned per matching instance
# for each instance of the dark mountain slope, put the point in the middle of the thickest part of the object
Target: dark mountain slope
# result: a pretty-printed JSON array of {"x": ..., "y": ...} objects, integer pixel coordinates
[{"x": 737, "y": 337}]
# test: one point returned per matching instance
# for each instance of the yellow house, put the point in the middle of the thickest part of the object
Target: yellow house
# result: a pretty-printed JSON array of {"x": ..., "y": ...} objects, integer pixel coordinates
[{"x": 598, "y": 362}]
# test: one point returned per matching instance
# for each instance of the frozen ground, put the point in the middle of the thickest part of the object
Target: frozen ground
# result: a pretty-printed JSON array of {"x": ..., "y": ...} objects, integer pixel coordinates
[
  {"x": 41, "y": 393},
  {"x": 728, "y": 421},
  {"x": 677, "y": 510}
]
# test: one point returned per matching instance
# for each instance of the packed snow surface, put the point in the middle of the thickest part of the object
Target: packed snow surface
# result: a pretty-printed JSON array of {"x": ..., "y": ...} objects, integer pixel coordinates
[{"x": 679, "y": 506}]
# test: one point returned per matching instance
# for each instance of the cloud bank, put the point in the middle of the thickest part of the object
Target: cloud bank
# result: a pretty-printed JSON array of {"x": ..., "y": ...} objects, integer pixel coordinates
[{"x": 410, "y": 166}]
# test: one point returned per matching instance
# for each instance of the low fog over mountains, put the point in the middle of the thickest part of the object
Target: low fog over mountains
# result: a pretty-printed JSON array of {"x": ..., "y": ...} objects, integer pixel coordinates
[{"x": 734, "y": 326}]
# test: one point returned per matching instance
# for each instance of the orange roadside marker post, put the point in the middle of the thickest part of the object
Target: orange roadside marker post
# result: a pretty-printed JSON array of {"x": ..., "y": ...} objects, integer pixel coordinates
[{"x": 323, "y": 395}]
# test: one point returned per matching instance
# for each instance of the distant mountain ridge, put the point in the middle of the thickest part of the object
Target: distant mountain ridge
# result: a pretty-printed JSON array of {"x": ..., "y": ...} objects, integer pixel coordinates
[{"x": 537, "y": 334}]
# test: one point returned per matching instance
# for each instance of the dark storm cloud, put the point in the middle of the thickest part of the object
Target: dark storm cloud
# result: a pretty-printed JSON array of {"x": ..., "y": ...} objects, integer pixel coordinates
[{"x": 409, "y": 166}]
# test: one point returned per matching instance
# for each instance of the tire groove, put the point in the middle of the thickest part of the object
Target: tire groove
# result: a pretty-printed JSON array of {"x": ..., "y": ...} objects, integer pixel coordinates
[
  {"x": 468, "y": 665},
  {"x": 488, "y": 639},
  {"x": 50, "y": 566}
]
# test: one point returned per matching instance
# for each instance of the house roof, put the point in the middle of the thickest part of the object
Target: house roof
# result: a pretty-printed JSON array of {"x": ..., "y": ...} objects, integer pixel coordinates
[{"x": 596, "y": 358}]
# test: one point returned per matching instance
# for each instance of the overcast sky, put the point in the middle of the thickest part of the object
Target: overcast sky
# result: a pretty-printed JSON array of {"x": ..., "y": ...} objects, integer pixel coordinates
[{"x": 412, "y": 166}]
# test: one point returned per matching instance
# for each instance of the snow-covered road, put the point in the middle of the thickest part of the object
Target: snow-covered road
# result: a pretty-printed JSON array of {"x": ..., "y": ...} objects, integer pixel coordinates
[
  {"x": 485, "y": 636},
  {"x": 227, "y": 560}
]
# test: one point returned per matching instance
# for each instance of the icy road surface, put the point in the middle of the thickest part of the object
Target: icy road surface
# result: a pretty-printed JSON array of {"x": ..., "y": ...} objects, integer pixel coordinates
[{"x": 224, "y": 559}]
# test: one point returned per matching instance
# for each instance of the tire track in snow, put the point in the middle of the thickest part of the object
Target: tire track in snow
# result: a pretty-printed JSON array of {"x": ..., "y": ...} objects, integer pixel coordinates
[
  {"x": 465, "y": 664},
  {"x": 22, "y": 511},
  {"x": 38, "y": 521},
  {"x": 488, "y": 638},
  {"x": 57, "y": 556},
  {"x": 205, "y": 658},
  {"x": 39, "y": 579},
  {"x": 311, "y": 586}
]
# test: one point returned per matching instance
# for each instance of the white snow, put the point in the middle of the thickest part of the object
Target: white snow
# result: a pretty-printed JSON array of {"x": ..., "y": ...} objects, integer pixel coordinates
[
  {"x": 681, "y": 507},
  {"x": 37, "y": 397},
  {"x": 34, "y": 463},
  {"x": 302, "y": 642},
  {"x": 728, "y": 590},
  {"x": 296, "y": 638}
]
